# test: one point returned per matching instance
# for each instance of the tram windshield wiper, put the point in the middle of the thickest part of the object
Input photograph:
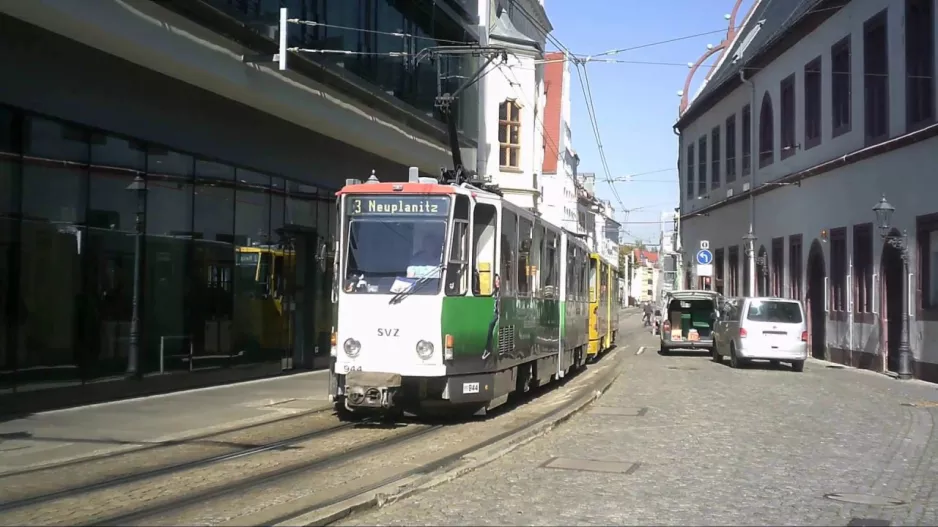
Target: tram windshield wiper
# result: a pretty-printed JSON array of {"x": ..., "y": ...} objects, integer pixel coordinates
[{"x": 436, "y": 272}]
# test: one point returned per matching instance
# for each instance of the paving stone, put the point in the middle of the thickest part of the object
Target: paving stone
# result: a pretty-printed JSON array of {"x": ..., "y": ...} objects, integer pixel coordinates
[{"x": 716, "y": 446}]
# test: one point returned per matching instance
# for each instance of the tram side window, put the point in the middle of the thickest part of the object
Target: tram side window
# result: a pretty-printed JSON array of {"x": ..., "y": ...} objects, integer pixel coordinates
[
  {"x": 457, "y": 277},
  {"x": 584, "y": 275},
  {"x": 593, "y": 272},
  {"x": 604, "y": 282},
  {"x": 537, "y": 263},
  {"x": 571, "y": 272},
  {"x": 483, "y": 243},
  {"x": 509, "y": 238},
  {"x": 549, "y": 275},
  {"x": 524, "y": 257},
  {"x": 574, "y": 267}
]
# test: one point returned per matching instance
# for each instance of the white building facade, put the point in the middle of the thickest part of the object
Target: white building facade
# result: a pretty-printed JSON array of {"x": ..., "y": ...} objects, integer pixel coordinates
[
  {"x": 586, "y": 200},
  {"x": 606, "y": 233},
  {"x": 511, "y": 133},
  {"x": 667, "y": 253},
  {"x": 835, "y": 107},
  {"x": 558, "y": 180}
]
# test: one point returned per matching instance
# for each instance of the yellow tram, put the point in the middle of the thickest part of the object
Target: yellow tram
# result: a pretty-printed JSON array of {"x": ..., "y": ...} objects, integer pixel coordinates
[
  {"x": 268, "y": 268},
  {"x": 604, "y": 305}
]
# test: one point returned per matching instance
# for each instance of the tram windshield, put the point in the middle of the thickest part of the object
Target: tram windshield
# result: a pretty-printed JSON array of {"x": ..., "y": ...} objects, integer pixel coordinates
[{"x": 392, "y": 243}]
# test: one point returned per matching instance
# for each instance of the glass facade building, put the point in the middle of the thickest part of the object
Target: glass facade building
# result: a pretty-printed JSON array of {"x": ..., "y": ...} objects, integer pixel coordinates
[
  {"x": 382, "y": 39},
  {"x": 221, "y": 266},
  {"x": 239, "y": 203}
]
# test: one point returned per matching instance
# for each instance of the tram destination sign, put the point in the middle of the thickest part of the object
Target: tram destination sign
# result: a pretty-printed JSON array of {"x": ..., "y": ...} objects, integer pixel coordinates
[{"x": 397, "y": 206}]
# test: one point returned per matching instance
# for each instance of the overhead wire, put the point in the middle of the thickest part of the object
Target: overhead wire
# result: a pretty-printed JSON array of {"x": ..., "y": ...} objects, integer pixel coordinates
[{"x": 579, "y": 61}]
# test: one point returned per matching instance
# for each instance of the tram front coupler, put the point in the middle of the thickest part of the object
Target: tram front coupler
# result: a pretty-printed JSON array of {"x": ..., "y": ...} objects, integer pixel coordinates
[{"x": 371, "y": 390}]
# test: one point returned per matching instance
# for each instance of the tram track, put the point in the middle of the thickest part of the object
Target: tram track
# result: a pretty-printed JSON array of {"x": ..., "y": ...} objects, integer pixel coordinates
[
  {"x": 135, "y": 477},
  {"x": 152, "y": 493},
  {"x": 268, "y": 482},
  {"x": 161, "y": 445},
  {"x": 306, "y": 469}
]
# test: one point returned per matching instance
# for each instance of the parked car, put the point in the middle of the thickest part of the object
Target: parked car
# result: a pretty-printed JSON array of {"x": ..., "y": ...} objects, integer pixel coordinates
[
  {"x": 688, "y": 318},
  {"x": 761, "y": 328}
]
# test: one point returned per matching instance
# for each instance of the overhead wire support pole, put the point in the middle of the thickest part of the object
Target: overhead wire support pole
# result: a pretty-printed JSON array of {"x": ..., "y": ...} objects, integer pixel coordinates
[
  {"x": 282, "y": 59},
  {"x": 445, "y": 101},
  {"x": 281, "y": 56}
]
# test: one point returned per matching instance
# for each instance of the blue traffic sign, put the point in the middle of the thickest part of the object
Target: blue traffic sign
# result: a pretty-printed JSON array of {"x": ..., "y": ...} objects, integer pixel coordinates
[{"x": 704, "y": 257}]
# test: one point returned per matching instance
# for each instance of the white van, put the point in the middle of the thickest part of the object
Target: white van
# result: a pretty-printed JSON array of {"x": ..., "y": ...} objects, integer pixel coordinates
[{"x": 761, "y": 328}]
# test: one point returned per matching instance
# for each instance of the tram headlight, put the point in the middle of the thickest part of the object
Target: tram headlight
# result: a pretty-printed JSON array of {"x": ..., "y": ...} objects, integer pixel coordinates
[
  {"x": 424, "y": 349},
  {"x": 352, "y": 347}
]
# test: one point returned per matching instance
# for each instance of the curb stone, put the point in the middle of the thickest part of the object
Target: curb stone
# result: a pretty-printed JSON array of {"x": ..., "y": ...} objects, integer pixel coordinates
[{"x": 417, "y": 483}]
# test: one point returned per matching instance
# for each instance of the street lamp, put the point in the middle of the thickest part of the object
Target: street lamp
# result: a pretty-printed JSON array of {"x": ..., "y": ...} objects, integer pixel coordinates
[
  {"x": 750, "y": 239},
  {"x": 899, "y": 242},
  {"x": 139, "y": 188}
]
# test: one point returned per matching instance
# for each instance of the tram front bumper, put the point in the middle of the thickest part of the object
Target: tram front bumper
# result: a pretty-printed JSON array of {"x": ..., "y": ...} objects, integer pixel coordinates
[{"x": 371, "y": 389}]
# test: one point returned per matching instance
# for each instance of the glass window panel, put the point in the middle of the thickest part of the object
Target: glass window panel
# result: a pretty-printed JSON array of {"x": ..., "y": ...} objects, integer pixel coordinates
[
  {"x": 324, "y": 216},
  {"x": 286, "y": 277},
  {"x": 51, "y": 191},
  {"x": 213, "y": 261},
  {"x": 169, "y": 193},
  {"x": 9, "y": 196},
  {"x": 933, "y": 269},
  {"x": 213, "y": 201},
  {"x": 167, "y": 288},
  {"x": 252, "y": 210},
  {"x": 7, "y": 132},
  {"x": 51, "y": 252},
  {"x": 252, "y": 286},
  {"x": 55, "y": 140},
  {"x": 213, "y": 170},
  {"x": 113, "y": 151},
  {"x": 301, "y": 204},
  {"x": 389, "y": 20},
  {"x": 9, "y": 316},
  {"x": 277, "y": 209},
  {"x": 110, "y": 205},
  {"x": 109, "y": 251}
]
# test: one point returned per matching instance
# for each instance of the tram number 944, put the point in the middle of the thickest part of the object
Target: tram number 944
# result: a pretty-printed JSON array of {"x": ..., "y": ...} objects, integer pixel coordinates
[{"x": 348, "y": 368}]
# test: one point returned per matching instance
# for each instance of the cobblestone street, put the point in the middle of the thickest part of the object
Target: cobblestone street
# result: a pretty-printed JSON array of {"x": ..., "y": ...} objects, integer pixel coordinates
[{"x": 681, "y": 440}]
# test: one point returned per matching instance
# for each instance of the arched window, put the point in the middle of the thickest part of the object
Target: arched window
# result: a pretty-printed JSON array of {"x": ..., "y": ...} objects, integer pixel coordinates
[
  {"x": 509, "y": 134},
  {"x": 766, "y": 132}
]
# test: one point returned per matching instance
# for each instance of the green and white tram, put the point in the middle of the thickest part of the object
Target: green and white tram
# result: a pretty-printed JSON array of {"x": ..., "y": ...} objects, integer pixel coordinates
[{"x": 451, "y": 298}]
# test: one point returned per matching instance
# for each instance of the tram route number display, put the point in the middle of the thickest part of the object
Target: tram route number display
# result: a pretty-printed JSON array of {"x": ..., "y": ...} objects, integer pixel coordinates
[{"x": 398, "y": 206}]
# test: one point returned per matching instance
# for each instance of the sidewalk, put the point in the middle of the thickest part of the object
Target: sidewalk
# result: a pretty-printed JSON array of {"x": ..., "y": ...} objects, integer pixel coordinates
[{"x": 62, "y": 435}]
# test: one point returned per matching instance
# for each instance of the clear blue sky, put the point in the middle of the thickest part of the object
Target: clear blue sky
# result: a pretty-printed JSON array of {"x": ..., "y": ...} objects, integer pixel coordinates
[{"x": 636, "y": 104}]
